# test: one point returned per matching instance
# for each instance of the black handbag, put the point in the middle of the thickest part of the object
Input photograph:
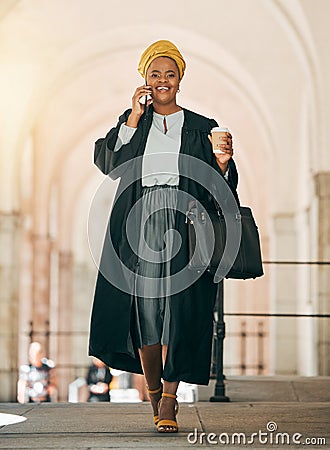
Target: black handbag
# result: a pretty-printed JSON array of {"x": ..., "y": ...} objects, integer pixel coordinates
[{"x": 207, "y": 237}]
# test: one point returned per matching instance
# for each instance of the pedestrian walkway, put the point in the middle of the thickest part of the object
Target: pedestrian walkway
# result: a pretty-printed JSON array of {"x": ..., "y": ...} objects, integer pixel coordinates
[{"x": 294, "y": 412}]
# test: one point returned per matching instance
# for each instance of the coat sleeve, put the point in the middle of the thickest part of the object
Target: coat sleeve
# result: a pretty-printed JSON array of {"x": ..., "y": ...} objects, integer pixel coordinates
[{"x": 106, "y": 158}]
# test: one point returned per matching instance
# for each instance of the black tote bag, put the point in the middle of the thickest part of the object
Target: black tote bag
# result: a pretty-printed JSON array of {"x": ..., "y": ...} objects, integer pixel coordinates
[{"x": 205, "y": 256}]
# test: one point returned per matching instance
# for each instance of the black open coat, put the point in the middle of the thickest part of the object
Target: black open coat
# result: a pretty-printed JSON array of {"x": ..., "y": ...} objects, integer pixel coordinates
[{"x": 191, "y": 311}]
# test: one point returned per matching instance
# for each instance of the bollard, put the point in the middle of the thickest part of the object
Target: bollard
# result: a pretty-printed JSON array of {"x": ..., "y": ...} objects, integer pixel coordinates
[{"x": 220, "y": 388}]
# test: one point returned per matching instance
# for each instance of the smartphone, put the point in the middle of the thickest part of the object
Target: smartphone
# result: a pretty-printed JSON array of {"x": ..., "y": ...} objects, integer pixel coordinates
[{"x": 143, "y": 100}]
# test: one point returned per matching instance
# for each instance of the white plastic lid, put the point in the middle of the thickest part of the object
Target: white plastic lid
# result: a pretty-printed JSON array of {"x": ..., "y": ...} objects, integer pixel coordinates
[{"x": 218, "y": 129}]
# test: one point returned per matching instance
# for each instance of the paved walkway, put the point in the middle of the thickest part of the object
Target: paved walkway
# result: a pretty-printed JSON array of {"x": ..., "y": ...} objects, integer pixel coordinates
[{"x": 291, "y": 411}]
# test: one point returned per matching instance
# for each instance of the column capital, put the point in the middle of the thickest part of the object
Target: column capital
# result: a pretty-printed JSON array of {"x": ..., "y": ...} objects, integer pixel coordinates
[
  {"x": 322, "y": 184},
  {"x": 9, "y": 220},
  {"x": 65, "y": 259}
]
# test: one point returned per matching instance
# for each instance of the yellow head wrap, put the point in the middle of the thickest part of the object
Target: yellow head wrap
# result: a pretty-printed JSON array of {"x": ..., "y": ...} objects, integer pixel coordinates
[{"x": 161, "y": 48}]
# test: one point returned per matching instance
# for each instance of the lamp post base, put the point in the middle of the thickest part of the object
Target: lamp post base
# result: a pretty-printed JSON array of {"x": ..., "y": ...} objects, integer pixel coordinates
[
  {"x": 219, "y": 398},
  {"x": 219, "y": 393}
]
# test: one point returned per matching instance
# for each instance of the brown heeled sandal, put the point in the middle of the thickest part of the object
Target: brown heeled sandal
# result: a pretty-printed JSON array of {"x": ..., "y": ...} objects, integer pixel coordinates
[
  {"x": 163, "y": 423},
  {"x": 154, "y": 392}
]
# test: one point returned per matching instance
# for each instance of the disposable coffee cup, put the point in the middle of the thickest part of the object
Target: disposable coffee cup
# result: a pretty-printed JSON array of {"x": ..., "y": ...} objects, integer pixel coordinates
[{"x": 217, "y": 134}]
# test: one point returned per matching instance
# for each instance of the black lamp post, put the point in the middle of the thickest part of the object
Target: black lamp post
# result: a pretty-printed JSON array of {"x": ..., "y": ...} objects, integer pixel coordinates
[{"x": 219, "y": 335}]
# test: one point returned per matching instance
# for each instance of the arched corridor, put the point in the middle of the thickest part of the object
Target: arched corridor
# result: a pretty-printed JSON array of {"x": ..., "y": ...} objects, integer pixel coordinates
[{"x": 68, "y": 70}]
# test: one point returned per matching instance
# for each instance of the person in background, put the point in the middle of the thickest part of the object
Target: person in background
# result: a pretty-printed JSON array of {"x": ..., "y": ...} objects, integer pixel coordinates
[
  {"x": 98, "y": 380},
  {"x": 36, "y": 382}
]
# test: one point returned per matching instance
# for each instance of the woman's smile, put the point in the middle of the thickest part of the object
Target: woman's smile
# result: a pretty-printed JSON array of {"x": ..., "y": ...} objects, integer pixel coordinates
[
  {"x": 161, "y": 91},
  {"x": 162, "y": 88}
]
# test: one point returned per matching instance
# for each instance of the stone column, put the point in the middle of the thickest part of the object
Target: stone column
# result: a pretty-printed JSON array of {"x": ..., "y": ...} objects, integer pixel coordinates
[
  {"x": 25, "y": 248},
  {"x": 41, "y": 289},
  {"x": 307, "y": 354},
  {"x": 283, "y": 331},
  {"x": 25, "y": 291},
  {"x": 84, "y": 275},
  {"x": 322, "y": 190},
  {"x": 9, "y": 223},
  {"x": 65, "y": 372}
]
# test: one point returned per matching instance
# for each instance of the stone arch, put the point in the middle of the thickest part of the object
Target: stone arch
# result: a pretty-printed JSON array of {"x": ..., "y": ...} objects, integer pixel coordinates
[{"x": 233, "y": 75}]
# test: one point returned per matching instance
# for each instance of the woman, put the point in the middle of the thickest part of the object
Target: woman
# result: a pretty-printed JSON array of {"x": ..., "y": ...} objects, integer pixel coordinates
[{"x": 138, "y": 325}]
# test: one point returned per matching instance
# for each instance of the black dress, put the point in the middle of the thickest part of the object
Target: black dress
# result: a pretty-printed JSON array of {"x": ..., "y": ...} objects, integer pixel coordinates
[{"x": 113, "y": 332}]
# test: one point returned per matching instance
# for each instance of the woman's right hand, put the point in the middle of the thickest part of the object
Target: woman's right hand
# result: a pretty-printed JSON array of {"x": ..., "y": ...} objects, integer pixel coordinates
[{"x": 138, "y": 108}]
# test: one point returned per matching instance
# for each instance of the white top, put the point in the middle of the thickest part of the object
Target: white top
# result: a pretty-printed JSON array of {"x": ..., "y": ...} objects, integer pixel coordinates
[{"x": 160, "y": 159}]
